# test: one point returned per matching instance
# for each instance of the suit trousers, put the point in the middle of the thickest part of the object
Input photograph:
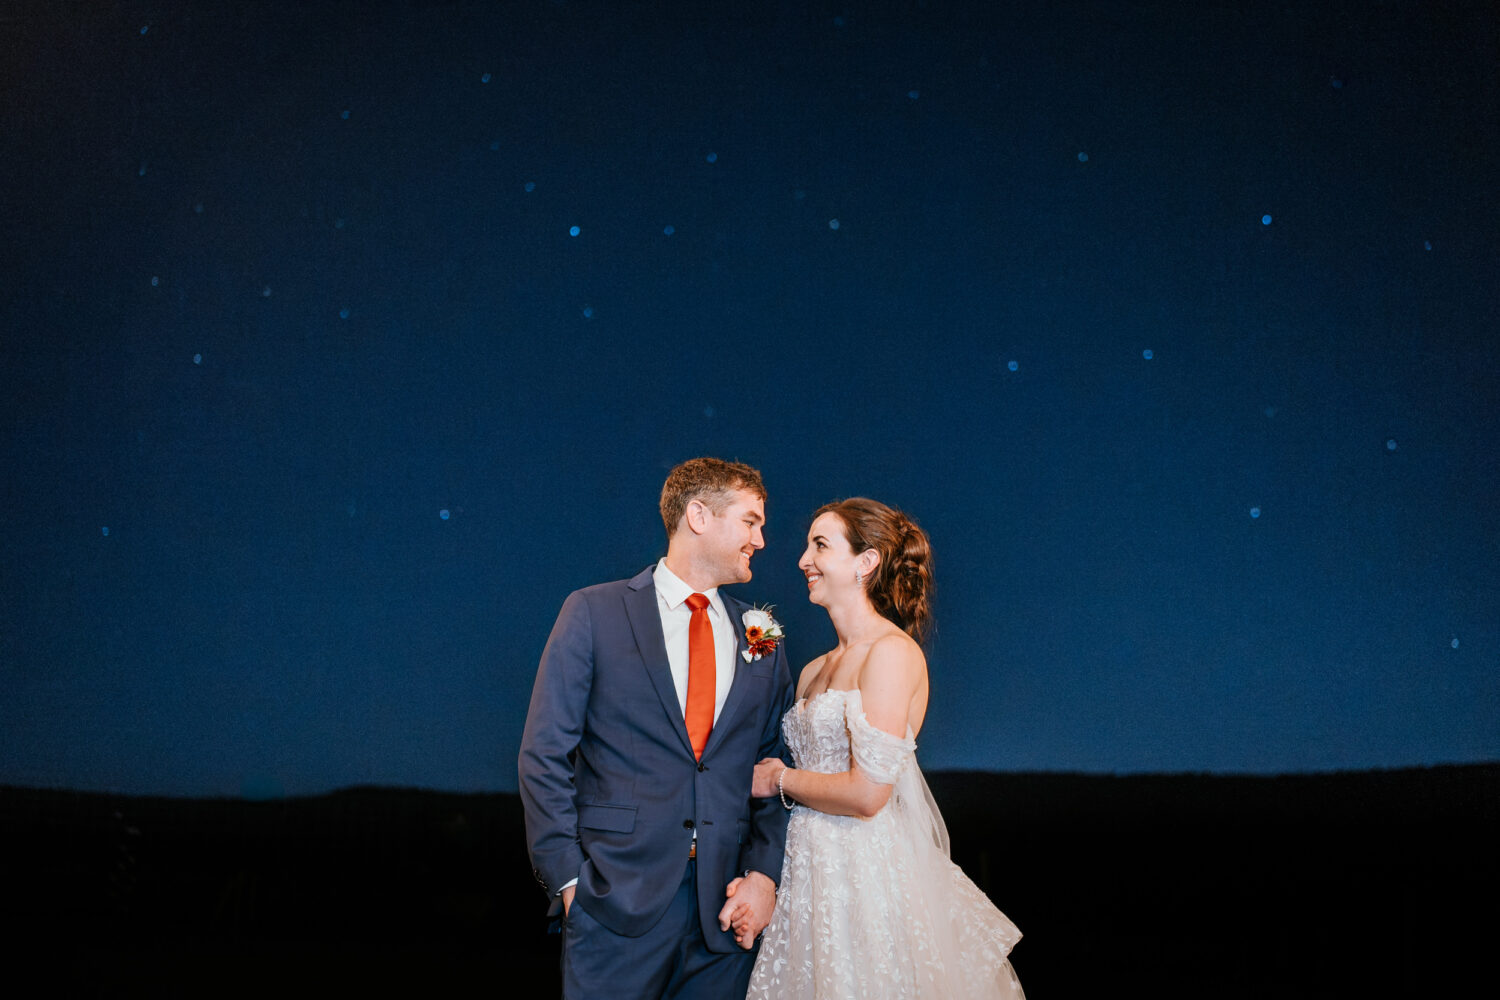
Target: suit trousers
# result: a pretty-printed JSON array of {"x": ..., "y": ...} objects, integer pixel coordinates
[{"x": 670, "y": 961}]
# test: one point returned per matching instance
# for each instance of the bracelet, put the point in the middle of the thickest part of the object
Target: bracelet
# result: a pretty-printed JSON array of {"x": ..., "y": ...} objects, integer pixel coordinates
[{"x": 781, "y": 790}]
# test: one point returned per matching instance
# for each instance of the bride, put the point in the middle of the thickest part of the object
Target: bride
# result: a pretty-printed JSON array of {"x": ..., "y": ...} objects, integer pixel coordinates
[{"x": 869, "y": 905}]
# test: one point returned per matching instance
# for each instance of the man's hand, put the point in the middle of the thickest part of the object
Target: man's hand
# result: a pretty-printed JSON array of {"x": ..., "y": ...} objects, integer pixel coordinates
[
  {"x": 567, "y": 898},
  {"x": 748, "y": 908}
]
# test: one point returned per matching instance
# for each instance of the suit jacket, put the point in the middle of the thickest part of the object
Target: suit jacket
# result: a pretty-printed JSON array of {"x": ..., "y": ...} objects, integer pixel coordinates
[{"x": 611, "y": 790}]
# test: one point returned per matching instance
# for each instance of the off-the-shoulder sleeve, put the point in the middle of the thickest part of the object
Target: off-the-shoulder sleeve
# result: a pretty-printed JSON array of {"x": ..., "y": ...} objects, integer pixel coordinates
[{"x": 878, "y": 754}]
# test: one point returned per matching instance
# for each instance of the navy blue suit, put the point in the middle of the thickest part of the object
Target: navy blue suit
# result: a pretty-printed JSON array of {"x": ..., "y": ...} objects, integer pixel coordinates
[{"x": 611, "y": 790}]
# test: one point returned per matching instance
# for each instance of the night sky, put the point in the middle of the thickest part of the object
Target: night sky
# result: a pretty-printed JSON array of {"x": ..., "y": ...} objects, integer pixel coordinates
[{"x": 1174, "y": 324}]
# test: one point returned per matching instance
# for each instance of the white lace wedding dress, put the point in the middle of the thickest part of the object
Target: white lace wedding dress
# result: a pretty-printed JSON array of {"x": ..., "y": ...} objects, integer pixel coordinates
[{"x": 873, "y": 909}]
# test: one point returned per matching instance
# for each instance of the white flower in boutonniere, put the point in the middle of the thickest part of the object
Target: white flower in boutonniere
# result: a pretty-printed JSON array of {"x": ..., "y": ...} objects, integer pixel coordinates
[{"x": 762, "y": 633}]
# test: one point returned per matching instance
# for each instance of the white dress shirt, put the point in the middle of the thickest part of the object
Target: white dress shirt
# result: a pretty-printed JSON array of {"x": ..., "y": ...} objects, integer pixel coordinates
[{"x": 671, "y": 601}]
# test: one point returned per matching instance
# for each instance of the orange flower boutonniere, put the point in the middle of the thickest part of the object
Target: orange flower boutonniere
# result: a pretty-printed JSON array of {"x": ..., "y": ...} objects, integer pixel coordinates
[{"x": 762, "y": 633}]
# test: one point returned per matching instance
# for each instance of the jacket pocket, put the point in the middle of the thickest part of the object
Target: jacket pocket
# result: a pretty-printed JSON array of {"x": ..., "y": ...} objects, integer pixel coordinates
[{"x": 615, "y": 819}]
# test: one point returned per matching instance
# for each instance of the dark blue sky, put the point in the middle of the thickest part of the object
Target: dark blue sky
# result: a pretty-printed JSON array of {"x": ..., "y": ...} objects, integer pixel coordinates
[{"x": 1175, "y": 324}]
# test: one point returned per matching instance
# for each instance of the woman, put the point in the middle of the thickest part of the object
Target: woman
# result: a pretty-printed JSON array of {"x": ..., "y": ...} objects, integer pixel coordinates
[{"x": 869, "y": 904}]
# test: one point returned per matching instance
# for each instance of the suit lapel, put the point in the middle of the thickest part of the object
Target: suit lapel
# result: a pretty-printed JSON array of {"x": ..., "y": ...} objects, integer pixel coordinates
[{"x": 645, "y": 624}]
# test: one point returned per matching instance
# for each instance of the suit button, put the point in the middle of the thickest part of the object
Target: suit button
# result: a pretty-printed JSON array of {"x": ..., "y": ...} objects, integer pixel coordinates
[
  {"x": 687, "y": 824},
  {"x": 702, "y": 767}
]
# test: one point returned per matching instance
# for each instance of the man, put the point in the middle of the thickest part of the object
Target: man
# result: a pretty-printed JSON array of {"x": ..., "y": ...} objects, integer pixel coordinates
[{"x": 648, "y": 715}]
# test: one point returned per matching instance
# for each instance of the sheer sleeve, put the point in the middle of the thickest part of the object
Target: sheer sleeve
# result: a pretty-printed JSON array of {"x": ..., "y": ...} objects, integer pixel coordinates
[
  {"x": 877, "y": 753},
  {"x": 887, "y": 760}
]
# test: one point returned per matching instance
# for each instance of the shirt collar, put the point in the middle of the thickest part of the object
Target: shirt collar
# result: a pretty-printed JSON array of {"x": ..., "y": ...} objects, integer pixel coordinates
[{"x": 674, "y": 591}]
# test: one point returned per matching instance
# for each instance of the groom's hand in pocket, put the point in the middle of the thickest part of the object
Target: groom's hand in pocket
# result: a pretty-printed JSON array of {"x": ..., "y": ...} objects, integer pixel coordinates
[
  {"x": 567, "y": 898},
  {"x": 751, "y": 900}
]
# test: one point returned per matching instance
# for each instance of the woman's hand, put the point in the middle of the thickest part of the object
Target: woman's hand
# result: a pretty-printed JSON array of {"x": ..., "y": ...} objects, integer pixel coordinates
[{"x": 763, "y": 785}]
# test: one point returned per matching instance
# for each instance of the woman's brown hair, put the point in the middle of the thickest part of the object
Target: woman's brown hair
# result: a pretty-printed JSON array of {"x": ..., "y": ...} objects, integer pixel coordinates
[{"x": 901, "y": 583}]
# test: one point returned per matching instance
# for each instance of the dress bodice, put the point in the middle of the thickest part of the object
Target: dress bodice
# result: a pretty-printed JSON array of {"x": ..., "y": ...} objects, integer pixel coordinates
[{"x": 826, "y": 730}]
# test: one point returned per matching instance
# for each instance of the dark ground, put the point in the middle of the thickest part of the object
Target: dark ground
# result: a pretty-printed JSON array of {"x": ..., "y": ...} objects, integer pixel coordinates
[{"x": 1350, "y": 884}]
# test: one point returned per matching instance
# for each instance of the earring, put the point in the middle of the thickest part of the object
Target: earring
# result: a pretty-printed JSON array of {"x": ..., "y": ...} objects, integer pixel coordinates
[{"x": 859, "y": 578}]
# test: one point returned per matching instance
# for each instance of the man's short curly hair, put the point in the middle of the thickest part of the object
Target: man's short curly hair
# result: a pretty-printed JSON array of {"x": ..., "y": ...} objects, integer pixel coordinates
[{"x": 711, "y": 480}]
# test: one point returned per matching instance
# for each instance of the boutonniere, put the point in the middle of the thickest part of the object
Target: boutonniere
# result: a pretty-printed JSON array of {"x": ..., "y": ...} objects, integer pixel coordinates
[{"x": 762, "y": 633}]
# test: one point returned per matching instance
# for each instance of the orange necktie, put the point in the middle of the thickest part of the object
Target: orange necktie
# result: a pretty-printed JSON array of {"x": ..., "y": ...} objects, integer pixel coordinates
[{"x": 702, "y": 675}]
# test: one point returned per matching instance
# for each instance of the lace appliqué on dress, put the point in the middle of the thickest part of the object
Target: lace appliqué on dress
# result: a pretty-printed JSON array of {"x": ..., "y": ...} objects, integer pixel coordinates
[{"x": 873, "y": 908}]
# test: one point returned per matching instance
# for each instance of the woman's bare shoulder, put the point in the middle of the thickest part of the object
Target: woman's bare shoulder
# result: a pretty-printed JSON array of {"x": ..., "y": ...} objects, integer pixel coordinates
[
  {"x": 895, "y": 651},
  {"x": 894, "y": 667}
]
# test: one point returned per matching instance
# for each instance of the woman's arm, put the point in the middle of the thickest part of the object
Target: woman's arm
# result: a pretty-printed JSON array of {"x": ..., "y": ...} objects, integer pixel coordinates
[{"x": 887, "y": 682}]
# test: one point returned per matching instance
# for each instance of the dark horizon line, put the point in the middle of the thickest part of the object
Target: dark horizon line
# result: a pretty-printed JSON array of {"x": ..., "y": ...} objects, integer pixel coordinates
[{"x": 943, "y": 776}]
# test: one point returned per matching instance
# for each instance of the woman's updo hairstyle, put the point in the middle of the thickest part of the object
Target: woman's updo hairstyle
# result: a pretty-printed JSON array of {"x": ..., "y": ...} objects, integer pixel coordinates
[{"x": 900, "y": 585}]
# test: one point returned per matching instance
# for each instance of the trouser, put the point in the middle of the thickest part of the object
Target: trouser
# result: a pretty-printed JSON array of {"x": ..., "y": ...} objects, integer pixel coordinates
[{"x": 670, "y": 961}]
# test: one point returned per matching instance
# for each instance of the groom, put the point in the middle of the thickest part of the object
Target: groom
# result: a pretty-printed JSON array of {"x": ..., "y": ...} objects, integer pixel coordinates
[{"x": 646, "y": 721}]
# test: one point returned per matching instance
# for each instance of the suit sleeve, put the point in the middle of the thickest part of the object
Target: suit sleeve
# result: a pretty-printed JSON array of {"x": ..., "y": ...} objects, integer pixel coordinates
[
  {"x": 554, "y": 726},
  {"x": 763, "y": 850}
]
